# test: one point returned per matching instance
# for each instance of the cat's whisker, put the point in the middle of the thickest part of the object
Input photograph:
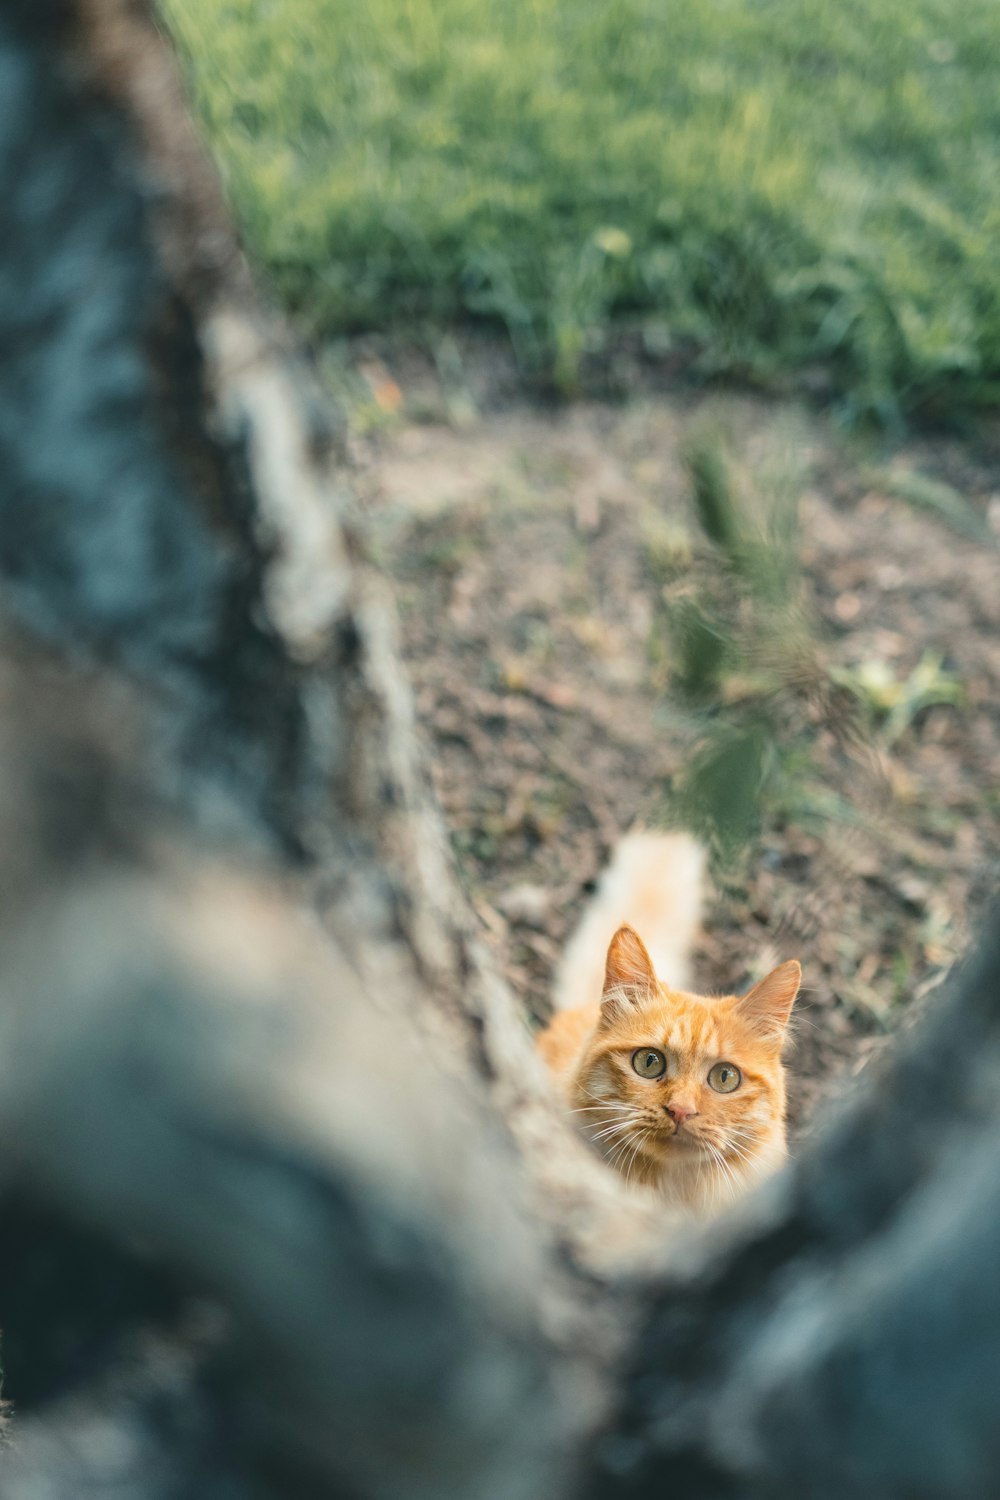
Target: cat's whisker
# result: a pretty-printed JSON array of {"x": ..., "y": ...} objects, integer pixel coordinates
[
  {"x": 593, "y": 1109},
  {"x": 612, "y": 1130},
  {"x": 650, "y": 1137},
  {"x": 620, "y": 1152},
  {"x": 639, "y": 1144},
  {"x": 612, "y": 1160},
  {"x": 596, "y": 1130},
  {"x": 629, "y": 1159},
  {"x": 735, "y": 1146},
  {"x": 600, "y": 1099},
  {"x": 627, "y": 1118},
  {"x": 604, "y": 1104},
  {"x": 731, "y": 1180},
  {"x": 730, "y": 1175},
  {"x": 748, "y": 1139},
  {"x": 710, "y": 1149},
  {"x": 738, "y": 1148},
  {"x": 742, "y": 1156},
  {"x": 716, "y": 1183},
  {"x": 612, "y": 1125},
  {"x": 719, "y": 1136}
]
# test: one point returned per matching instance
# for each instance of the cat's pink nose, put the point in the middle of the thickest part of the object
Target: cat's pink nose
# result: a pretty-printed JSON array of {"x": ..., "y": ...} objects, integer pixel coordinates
[{"x": 680, "y": 1112}]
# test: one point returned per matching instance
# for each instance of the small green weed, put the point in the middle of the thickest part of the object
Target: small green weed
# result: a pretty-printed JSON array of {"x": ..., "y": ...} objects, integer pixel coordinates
[
  {"x": 747, "y": 676},
  {"x": 892, "y": 703},
  {"x": 936, "y": 497},
  {"x": 745, "y": 667}
]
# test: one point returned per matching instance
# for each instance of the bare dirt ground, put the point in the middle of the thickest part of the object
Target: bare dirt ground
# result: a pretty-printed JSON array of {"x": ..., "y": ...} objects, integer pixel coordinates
[{"x": 527, "y": 545}]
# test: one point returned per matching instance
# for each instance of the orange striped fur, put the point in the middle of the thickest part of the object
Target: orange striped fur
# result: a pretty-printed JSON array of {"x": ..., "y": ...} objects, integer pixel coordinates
[{"x": 708, "y": 1126}]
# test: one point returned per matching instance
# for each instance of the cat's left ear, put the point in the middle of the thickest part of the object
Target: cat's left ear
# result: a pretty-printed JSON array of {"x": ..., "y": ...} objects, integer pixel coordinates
[{"x": 766, "y": 1007}]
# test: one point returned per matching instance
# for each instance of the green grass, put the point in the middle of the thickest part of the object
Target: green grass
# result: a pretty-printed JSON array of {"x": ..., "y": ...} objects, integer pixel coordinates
[{"x": 770, "y": 183}]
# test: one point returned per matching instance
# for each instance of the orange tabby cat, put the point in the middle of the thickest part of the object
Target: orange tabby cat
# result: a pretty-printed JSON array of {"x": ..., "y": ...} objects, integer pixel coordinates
[{"x": 679, "y": 1091}]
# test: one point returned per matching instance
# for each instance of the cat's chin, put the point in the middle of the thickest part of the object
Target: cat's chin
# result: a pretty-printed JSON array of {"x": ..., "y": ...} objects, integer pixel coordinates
[
  {"x": 678, "y": 1144},
  {"x": 682, "y": 1152}
]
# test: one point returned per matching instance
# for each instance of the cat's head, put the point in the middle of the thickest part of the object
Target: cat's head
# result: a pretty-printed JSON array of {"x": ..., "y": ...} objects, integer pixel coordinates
[{"x": 675, "y": 1079}]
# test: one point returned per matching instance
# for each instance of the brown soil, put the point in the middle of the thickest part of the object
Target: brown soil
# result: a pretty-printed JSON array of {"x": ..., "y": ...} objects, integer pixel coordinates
[{"x": 528, "y": 545}]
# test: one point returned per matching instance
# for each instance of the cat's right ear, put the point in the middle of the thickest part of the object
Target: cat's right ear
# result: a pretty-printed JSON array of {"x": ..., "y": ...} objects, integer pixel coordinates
[{"x": 628, "y": 973}]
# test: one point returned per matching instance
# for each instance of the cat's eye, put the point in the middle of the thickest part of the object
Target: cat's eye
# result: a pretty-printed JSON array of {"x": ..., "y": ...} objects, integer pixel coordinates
[
  {"x": 725, "y": 1077},
  {"x": 649, "y": 1063}
]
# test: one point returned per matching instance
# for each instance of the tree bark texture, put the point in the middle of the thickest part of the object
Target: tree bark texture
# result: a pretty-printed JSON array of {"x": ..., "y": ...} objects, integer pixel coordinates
[{"x": 287, "y": 1206}]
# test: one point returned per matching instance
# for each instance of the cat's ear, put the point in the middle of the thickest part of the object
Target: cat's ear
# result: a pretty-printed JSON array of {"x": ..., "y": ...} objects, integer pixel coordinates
[
  {"x": 628, "y": 972},
  {"x": 628, "y": 964},
  {"x": 766, "y": 1007}
]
